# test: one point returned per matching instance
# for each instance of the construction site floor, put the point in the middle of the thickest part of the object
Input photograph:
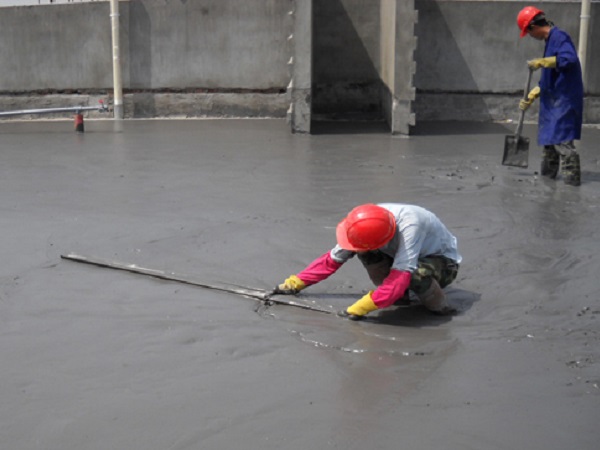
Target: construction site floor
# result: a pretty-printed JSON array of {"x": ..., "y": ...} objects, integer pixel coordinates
[{"x": 94, "y": 358}]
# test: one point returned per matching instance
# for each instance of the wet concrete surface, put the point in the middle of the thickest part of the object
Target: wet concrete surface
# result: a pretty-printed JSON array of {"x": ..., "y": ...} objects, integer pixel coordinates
[{"x": 94, "y": 358}]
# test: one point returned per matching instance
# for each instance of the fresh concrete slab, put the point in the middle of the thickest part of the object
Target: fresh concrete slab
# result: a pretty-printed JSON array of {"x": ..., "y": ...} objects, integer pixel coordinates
[{"x": 94, "y": 358}]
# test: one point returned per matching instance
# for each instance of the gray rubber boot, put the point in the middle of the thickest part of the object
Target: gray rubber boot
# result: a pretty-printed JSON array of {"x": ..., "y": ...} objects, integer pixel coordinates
[
  {"x": 435, "y": 301},
  {"x": 571, "y": 169},
  {"x": 550, "y": 162}
]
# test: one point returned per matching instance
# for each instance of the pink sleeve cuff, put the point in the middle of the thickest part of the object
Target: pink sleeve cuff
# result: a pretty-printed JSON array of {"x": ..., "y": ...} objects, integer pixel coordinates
[
  {"x": 319, "y": 269},
  {"x": 392, "y": 288}
]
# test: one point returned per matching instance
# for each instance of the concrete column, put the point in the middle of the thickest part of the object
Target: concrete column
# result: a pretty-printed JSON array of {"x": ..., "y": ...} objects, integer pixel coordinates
[
  {"x": 299, "y": 113},
  {"x": 398, "y": 45}
]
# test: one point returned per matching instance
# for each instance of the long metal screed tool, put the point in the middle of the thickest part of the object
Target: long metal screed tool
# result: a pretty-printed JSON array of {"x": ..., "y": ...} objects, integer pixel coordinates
[{"x": 256, "y": 294}]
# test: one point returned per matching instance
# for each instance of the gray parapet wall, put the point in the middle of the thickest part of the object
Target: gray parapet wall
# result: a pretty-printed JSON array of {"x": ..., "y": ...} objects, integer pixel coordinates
[
  {"x": 471, "y": 62},
  {"x": 301, "y": 59},
  {"x": 209, "y": 58}
]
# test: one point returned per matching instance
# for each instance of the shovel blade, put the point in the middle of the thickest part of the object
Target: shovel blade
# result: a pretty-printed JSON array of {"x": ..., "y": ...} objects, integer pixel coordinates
[{"x": 516, "y": 151}]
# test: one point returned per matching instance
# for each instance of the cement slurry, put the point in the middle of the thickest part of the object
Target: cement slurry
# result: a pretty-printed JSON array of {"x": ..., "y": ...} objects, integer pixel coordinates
[{"x": 97, "y": 359}]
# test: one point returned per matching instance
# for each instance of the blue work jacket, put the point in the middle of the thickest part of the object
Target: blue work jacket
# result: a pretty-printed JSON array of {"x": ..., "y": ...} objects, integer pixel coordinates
[{"x": 561, "y": 97}]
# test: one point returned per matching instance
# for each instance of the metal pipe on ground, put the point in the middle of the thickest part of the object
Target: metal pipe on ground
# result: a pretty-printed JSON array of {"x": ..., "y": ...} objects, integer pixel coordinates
[{"x": 102, "y": 107}]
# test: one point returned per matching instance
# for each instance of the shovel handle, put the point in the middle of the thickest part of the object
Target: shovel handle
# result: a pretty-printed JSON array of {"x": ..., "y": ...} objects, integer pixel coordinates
[{"x": 522, "y": 115}]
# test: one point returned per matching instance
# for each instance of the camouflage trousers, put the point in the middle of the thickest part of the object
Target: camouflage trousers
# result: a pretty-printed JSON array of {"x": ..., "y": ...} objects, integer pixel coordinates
[{"x": 442, "y": 269}]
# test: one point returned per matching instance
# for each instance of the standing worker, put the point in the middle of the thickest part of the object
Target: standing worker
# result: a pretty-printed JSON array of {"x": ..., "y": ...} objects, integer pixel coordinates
[
  {"x": 402, "y": 247},
  {"x": 561, "y": 96}
]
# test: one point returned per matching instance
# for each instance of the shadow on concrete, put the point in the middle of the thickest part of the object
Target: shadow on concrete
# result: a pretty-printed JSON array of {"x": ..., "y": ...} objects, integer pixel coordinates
[
  {"x": 345, "y": 81},
  {"x": 349, "y": 127},
  {"x": 448, "y": 128},
  {"x": 416, "y": 316},
  {"x": 412, "y": 315},
  {"x": 426, "y": 128}
]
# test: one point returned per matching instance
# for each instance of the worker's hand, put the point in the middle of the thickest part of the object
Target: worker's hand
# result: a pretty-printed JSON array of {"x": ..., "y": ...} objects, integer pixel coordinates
[
  {"x": 524, "y": 104},
  {"x": 290, "y": 286},
  {"x": 547, "y": 63},
  {"x": 359, "y": 309}
]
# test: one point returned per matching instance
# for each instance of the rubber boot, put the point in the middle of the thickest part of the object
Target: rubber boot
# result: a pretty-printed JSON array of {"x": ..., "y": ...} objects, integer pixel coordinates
[
  {"x": 550, "y": 162},
  {"x": 571, "y": 169},
  {"x": 435, "y": 301}
]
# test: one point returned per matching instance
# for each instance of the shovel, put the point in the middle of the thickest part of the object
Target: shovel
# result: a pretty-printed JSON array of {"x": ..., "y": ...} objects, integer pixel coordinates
[{"x": 516, "y": 147}]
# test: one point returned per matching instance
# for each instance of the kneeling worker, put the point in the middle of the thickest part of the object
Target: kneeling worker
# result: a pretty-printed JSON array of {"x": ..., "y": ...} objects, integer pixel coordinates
[{"x": 402, "y": 247}]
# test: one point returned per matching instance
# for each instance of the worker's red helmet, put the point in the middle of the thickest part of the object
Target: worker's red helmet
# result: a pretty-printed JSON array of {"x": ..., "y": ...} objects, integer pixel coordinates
[
  {"x": 366, "y": 227},
  {"x": 526, "y": 15}
]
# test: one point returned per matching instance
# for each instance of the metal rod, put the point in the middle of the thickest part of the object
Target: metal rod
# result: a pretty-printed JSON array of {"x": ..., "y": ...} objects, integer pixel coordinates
[
  {"x": 101, "y": 108},
  {"x": 257, "y": 294}
]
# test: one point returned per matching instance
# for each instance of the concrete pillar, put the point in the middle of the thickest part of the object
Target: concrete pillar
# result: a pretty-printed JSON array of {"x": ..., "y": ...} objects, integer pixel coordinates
[
  {"x": 398, "y": 45},
  {"x": 299, "y": 112}
]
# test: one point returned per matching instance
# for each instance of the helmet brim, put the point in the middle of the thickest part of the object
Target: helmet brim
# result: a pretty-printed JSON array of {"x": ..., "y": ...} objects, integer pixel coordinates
[{"x": 341, "y": 235}]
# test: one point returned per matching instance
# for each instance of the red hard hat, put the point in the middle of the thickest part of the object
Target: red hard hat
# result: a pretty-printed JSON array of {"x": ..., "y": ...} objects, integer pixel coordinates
[
  {"x": 367, "y": 227},
  {"x": 525, "y": 17}
]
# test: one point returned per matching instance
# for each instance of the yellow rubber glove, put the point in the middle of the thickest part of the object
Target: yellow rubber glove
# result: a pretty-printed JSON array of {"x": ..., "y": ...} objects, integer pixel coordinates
[
  {"x": 548, "y": 63},
  {"x": 291, "y": 285},
  {"x": 363, "y": 306},
  {"x": 524, "y": 104}
]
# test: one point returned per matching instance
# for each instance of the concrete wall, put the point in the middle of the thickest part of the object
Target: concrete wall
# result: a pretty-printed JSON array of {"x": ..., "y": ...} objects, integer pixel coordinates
[
  {"x": 471, "y": 63},
  {"x": 55, "y": 48},
  {"x": 232, "y": 57},
  {"x": 216, "y": 57},
  {"x": 346, "y": 59},
  {"x": 211, "y": 44},
  {"x": 360, "y": 54}
]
